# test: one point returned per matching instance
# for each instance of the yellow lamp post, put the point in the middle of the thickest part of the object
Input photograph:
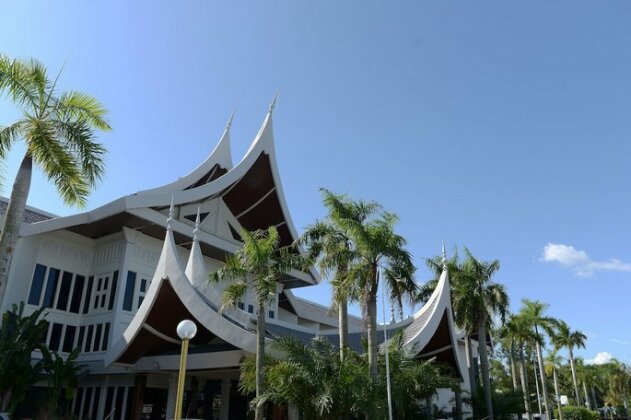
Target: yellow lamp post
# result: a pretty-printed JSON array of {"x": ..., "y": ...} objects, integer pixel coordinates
[{"x": 186, "y": 330}]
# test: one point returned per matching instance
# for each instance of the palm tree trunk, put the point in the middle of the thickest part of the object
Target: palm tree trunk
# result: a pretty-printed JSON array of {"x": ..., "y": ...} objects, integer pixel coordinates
[
  {"x": 556, "y": 391},
  {"x": 524, "y": 383},
  {"x": 342, "y": 312},
  {"x": 534, "y": 368},
  {"x": 542, "y": 372},
  {"x": 458, "y": 401},
  {"x": 260, "y": 359},
  {"x": 587, "y": 401},
  {"x": 594, "y": 398},
  {"x": 513, "y": 368},
  {"x": 575, "y": 382},
  {"x": 372, "y": 337},
  {"x": 371, "y": 312},
  {"x": 484, "y": 367},
  {"x": 469, "y": 356},
  {"x": 13, "y": 220}
]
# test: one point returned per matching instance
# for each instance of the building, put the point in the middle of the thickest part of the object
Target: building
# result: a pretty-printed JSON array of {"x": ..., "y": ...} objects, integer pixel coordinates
[{"x": 118, "y": 279}]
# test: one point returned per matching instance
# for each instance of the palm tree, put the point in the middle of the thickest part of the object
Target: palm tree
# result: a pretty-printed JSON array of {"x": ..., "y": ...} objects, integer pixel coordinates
[
  {"x": 476, "y": 299},
  {"x": 481, "y": 299},
  {"x": 258, "y": 265},
  {"x": 378, "y": 249},
  {"x": 565, "y": 337},
  {"x": 553, "y": 361},
  {"x": 533, "y": 313},
  {"x": 322, "y": 386},
  {"x": 519, "y": 334},
  {"x": 620, "y": 383},
  {"x": 59, "y": 132},
  {"x": 455, "y": 268},
  {"x": 327, "y": 244}
]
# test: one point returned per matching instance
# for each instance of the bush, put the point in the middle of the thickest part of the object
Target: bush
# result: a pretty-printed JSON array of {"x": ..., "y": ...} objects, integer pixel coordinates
[{"x": 577, "y": 413}]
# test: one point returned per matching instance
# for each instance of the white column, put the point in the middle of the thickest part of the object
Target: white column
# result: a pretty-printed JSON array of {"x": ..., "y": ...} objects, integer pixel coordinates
[
  {"x": 172, "y": 392},
  {"x": 225, "y": 399}
]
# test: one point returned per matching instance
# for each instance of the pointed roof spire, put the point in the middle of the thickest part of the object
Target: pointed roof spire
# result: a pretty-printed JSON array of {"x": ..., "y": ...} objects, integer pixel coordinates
[
  {"x": 195, "y": 267},
  {"x": 272, "y": 106},
  {"x": 169, "y": 263},
  {"x": 171, "y": 212},
  {"x": 444, "y": 260},
  {"x": 229, "y": 122},
  {"x": 196, "y": 230}
]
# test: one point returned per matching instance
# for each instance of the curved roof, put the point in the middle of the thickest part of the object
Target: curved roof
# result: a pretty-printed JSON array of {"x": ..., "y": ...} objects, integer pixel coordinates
[
  {"x": 216, "y": 164},
  {"x": 432, "y": 331},
  {"x": 251, "y": 190},
  {"x": 172, "y": 297}
]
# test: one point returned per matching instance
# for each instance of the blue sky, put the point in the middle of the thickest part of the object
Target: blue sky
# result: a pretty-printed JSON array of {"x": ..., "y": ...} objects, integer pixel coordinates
[{"x": 502, "y": 126}]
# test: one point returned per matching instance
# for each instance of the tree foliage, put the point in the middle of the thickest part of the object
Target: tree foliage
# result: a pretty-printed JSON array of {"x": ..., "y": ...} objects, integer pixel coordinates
[
  {"x": 314, "y": 379},
  {"x": 19, "y": 335}
]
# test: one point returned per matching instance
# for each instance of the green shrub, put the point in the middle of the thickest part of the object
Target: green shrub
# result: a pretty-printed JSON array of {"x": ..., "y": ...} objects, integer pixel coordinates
[{"x": 577, "y": 413}]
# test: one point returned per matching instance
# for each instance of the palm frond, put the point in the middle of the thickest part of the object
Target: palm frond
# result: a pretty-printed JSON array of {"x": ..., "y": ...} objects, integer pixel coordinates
[{"x": 80, "y": 107}]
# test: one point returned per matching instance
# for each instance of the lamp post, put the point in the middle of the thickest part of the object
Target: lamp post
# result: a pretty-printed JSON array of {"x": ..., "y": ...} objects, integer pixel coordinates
[{"x": 186, "y": 330}]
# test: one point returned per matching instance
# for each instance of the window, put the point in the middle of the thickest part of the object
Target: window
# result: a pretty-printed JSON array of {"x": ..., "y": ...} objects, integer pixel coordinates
[
  {"x": 97, "y": 338},
  {"x": 105, "y": 291},
  {"x": 77, "y": 293},
  {"x": 88, "y": 339},
  {"x": 270, "y": 314},
  {"x": 241, "y": 305},
  {"x": 51, "y": 288},
  {"x": 100, "y": 294},
  {"x": 81, "y": 334},
  {"x": 110, "y": 305},
  {"x": 130, "y": 286},
  {"x": 142, "y": 291},
  {"x": 55, "y": 337},
  {"x": 69, "y": 338},
  {"x": 88, "y": 295},
  {"x": 106, "y": 334},
  {"x": 133, "y": 289},
  {"x": 37, "y": 285},
  {"x": 251, "y": 309},
  {"x": 64, "y": 291}
]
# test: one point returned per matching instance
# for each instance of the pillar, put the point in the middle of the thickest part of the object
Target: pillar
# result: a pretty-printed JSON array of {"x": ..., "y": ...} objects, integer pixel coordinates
[
  {"x": 138, "y": 397},
  {"x": 172, "y": 395},
  {"x": 225, "y": 399}
]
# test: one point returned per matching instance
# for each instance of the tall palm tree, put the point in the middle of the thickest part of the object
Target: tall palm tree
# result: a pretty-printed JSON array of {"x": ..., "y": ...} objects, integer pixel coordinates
[
  {"x": 58, "y": 130},
  {"x": 534, "y": 314},
  {"x": 482, "y": 299},
  {"x": 258, "y": 265},
  {"x": 520, "y": 334},
  {"x": 620, "y": 383},
  {"x": 476, "y": 299},
  {"x": 564, "y": 337},
  {"x": 553, "y": 361},
  {"x": 333, "y": 250},
  {"x": 378, "y": 249}
]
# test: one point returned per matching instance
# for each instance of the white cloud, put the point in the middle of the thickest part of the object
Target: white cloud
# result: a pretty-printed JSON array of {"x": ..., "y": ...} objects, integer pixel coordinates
[
  {"x": 618, "y": 341},
  {"x": 579, "y": 261},
  {"x": 600, "y": 359}
]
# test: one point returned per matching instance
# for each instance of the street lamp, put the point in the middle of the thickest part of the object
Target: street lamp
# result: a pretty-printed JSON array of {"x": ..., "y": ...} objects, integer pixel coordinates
[{"x": 186, "y": 330}]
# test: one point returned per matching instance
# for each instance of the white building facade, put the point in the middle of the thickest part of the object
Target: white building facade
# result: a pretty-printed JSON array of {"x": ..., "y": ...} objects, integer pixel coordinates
[{"x": 116, "y": 280}]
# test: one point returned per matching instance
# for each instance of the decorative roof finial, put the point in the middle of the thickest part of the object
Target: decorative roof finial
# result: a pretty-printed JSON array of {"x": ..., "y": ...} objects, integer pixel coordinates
[
  {"x": 196, "y": 230},
  {"x": 444, "y": 256},
  {"x": 229, "y": 123},
  {"x": 171, "y": 212},
  {"x": 272, "y": 106}
]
